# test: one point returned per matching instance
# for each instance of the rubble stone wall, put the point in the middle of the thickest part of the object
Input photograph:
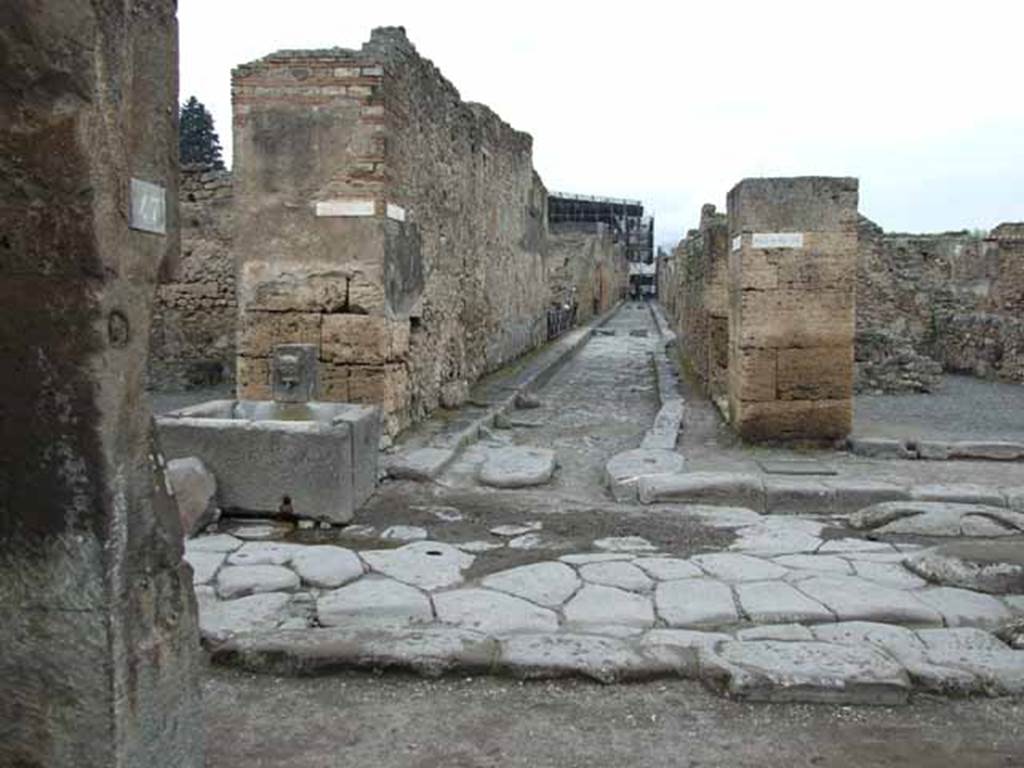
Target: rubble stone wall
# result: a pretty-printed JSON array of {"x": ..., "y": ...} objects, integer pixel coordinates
[
  {"x": 192, "y": 342},
  {"x": 586, "y": 265}
]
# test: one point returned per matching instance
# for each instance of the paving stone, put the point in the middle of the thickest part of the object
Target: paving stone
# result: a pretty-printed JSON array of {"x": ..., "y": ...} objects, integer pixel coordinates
[
  {"x": 496, "y": 613},
  {"x": 993, "y": 450},
  {"x": 996, "y": 567},
  {"x": 517, "y": 467},
  {"x": 1016, "y": 603},
  {"x": 1000, "y": 669},
  {"x": 260, "y": 530},
  {"x": 776, "y": 602},
  {"x": 724, "y": 517},
  {"x": 530, "y": 541},
  {"x": 685, "y": 638},
  {"x": 667, "y": 568},
  {"x": 624, "y": 470},
  {"x": 1015, "y": 498},
  {"x": 787, "y": 495},
  {"x": 964, "y": 493},
  {"x": 373, "y": 601},
  {"x": 784, "y": 632},
  {"x": 425, "y": 564},
  {"x": 695, "y": 603},
  {"x": 221, "y": 619},
  {"x": 725, "y": 488},
  {"x": 476, "y": 547},
  {"x": 614, "y": 630},
  {"x": 962, "y": 607},
  {"x": 599, "y": 605},
  {"x": 880, "y": 448},
  {"x": 218, "y": 542},
  {"x": 819, "y": 563},
  {"x": 604, "y": 659},
  {"x": 517, "y": 529},
  {"x": 859, "y": 632},
  {"x": 852, "y": 493},
  {"x": 833, "y": 546},
  {"x": 204, "y": 564},
  {"x": 404, "y": 533},
  {"x": 729, "y": 566},
  {"x": 421, "y": 464},
  {"x": 442, "y": 513},
  {"x": 359, "y": 531},
  {"x": 617, "y": 573},
  {"x": 328, "y": 566},
  {"x": 809, "y": 672},
  {"x": 885, "y": 556},
  {"x": 240, "y": 580},
  {"x": 935, "y": 518},
  {"x": 549, "y": 584},
  {"x": 890, "y": 574},
  {"x": 760, "y": 540},
  {"x": 596, "y": 557},
  {"x": 854, "y": 599},
  {"x": 264, "y": 553},
  {"x": 625, "y": 544}
]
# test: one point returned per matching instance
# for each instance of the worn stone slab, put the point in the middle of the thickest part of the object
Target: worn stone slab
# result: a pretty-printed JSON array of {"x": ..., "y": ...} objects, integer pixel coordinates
[
  {"x": 428, "y": 565},
  {"x": 204, "y": 564},
  {"x": 535, "y": 541},
  {"x": 517, "y": 529},
  {"x": 891, "y": 574},
  {"x": 991, "y": 450},
  {"x": 820, "y": 563},
  {"x": 477, "y": 547},
  {"x": 964, "y": 608},
  {"x": 880, "y": 448},
  {"x": 783, "y": 632},
  {"x": 776, "y": 602},
  {"x": 625, "y": 544},
  {"x": 596, "y": 605},
  {"x": 327, "y": 566},
  {"x": 999, "y": 668},
  {"x": 729, "y": 566},
  {"x": 548, "y": 584},
  {"x": 668, "y": 568},
  {"x": 854, "y": 599},
  {"x": 221, "y": 619},
  {"x": 809, "y": 672},
  {"x": 795, "y": 467},
  {"x": 851, "y": 546},
  {"x": 792, "y": 495},
  {"x": 371, "y": 601},
  {"x": 617, "y": 573},
  {"x": 766, "y": 541},
  {"x": 996, "y": 567},
  {"x": 423, "y": 464},
  {"x": 261, "y": 530},
  {"x": 624, "y": 470},
  {"x": 495, "y": 613},
  {"x": 937, "y": 518},
  {"x": 712, "y": 488},
  {"x": 404, "y": 533},
  {"x": 218, "y": 542},
  {"x": 517, "y": 466},
  {"x": 241, "y": 580},
  {"x": 1014, "y": 498},
  {"x": 595, "y": 557},
  {"x": 695, "y": 603},
  {"x": 963, "y": 493},
  {"x": 195, "y": 492},
  {"x": 852, "y": 493},
  {"x": 604, "y": 659},
  {"x": 264, "y": 553},
  {"x": 690, "y": 639}
]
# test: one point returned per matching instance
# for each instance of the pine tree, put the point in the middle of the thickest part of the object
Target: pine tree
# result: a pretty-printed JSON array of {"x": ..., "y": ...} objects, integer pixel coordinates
[{"x": 198, "y": 140}]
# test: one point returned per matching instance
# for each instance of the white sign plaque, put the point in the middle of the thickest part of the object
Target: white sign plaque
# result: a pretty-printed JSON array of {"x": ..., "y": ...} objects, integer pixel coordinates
[
  {"x": 149, "y": 207},
  {"x": 777, "y": 240},
  {"x": 737, "y": 242},
  {"x": 331, "y": 208}
]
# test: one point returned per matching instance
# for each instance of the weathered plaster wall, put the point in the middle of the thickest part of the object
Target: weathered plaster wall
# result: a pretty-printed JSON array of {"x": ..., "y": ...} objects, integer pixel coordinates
[
  {"x": 192, "y": 343},
  {"x": 100, "y": 646},
  {"x": 586, "y": 264}
]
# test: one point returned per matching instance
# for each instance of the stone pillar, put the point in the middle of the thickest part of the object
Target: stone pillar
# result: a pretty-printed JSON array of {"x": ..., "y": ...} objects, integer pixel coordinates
[
  {"x": 99, "y": 641},
  {"x": 792, "y": 270}
]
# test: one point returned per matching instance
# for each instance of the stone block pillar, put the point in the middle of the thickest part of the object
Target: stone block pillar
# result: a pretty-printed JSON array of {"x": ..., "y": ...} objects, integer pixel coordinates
[
  {"x": 792, "y": 272},
  {"x": 99, "y": 659}
]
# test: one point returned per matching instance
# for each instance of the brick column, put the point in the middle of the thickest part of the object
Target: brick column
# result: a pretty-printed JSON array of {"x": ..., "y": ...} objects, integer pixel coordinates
[{"x": 792, "y": 267}]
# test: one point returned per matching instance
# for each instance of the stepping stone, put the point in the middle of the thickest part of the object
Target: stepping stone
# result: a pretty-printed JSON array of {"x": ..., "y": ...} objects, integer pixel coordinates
[
  {"x": 421, "y": 464},
  {"x": 221, "y": 619},
  {"x": 996, "y": 567},
  {"x": 517, "y": 529},
  {"x": 517, "y": 467},
  {"x": 219, "y": 542},
  {"x": 736, "y": 567},
  {"x": 695, "y": 603},
  {"x": 264, "y": 553},
  {"x": 668, "y": 568},
  {"x": 776, "y": 602},
  {"x": 492, "y": 612},
  {"x": 240, "y": 580},
  {"x": 404, "y": 533},
  {"x": 961, "y": 607},
  {"x": 428, "y": 565},
  {"x": 604, "y": 659},
  {"x": 373, "y": 601},
  {"x": 204, "y": 564},
  {"x": 549, "y": 584},
  {"x": 327, "y": 567},
  {"x": 854, "y": 599},
  {"x": 617, "y": 573},
  {"x": 624, "y": 470},
  {"x": 625, "y": 544},
  {"x": 598, "y": 605},
  {"x": 819, "y": 563},
  {"x": 811, "y": 672},
  {"x": 936, "y": 518},
  {"x": 782, "y": 632}
]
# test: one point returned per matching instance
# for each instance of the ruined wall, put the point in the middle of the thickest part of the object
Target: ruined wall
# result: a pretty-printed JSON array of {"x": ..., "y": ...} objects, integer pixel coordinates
[
  {"x": 925, "y": 303},
  {"x": 100, "y": 656},
  {"x": 192, "y": 342},
  {"x": 385, "y": 220},
  {"x": 792, "y": 273},
  {"x": 586, "y": 264}
]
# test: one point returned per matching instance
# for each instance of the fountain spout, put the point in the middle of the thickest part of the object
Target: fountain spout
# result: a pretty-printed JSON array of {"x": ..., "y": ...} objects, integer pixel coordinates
[{"x": 294, "y": 373}]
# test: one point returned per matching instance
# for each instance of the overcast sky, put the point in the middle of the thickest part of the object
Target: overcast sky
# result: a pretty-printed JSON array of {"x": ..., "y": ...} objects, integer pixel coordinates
[{"x": 673, "y": 103}]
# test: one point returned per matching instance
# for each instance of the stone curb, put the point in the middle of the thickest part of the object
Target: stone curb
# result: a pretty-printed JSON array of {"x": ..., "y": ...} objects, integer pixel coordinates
[
  {"x": 664, "y": 433},
  {"x": 936, "y": 450},
  {"x": 428, "y": 462}
]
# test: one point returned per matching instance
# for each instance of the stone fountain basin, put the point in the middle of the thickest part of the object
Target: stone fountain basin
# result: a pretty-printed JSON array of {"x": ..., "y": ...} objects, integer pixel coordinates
[{"x": 322, "y": 456}]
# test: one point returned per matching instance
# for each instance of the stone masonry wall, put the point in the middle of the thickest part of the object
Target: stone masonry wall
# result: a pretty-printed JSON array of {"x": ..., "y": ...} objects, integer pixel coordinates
[
  {"x": 586, "y": 265},
  {"x": 192, "y": 342}
]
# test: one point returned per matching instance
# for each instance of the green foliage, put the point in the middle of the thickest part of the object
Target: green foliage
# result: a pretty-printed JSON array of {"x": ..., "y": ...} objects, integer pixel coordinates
[{"x": 197, "y": 138}]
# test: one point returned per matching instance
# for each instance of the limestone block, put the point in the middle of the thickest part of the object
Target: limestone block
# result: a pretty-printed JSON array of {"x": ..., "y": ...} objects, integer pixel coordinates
[
  {"x": 794, "y": 419},
  {"x": 383, "y": 385},
  {"x": 363, "y": 339},
  {"x": 253, "y": 378},
  {"x": 790, "y": 318},
  {"x": 815, "y": 373},
  {"x": 754, "y": 371},
  {"x": 260, "y": 332},
  {"x": 334, "y": 382}
]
